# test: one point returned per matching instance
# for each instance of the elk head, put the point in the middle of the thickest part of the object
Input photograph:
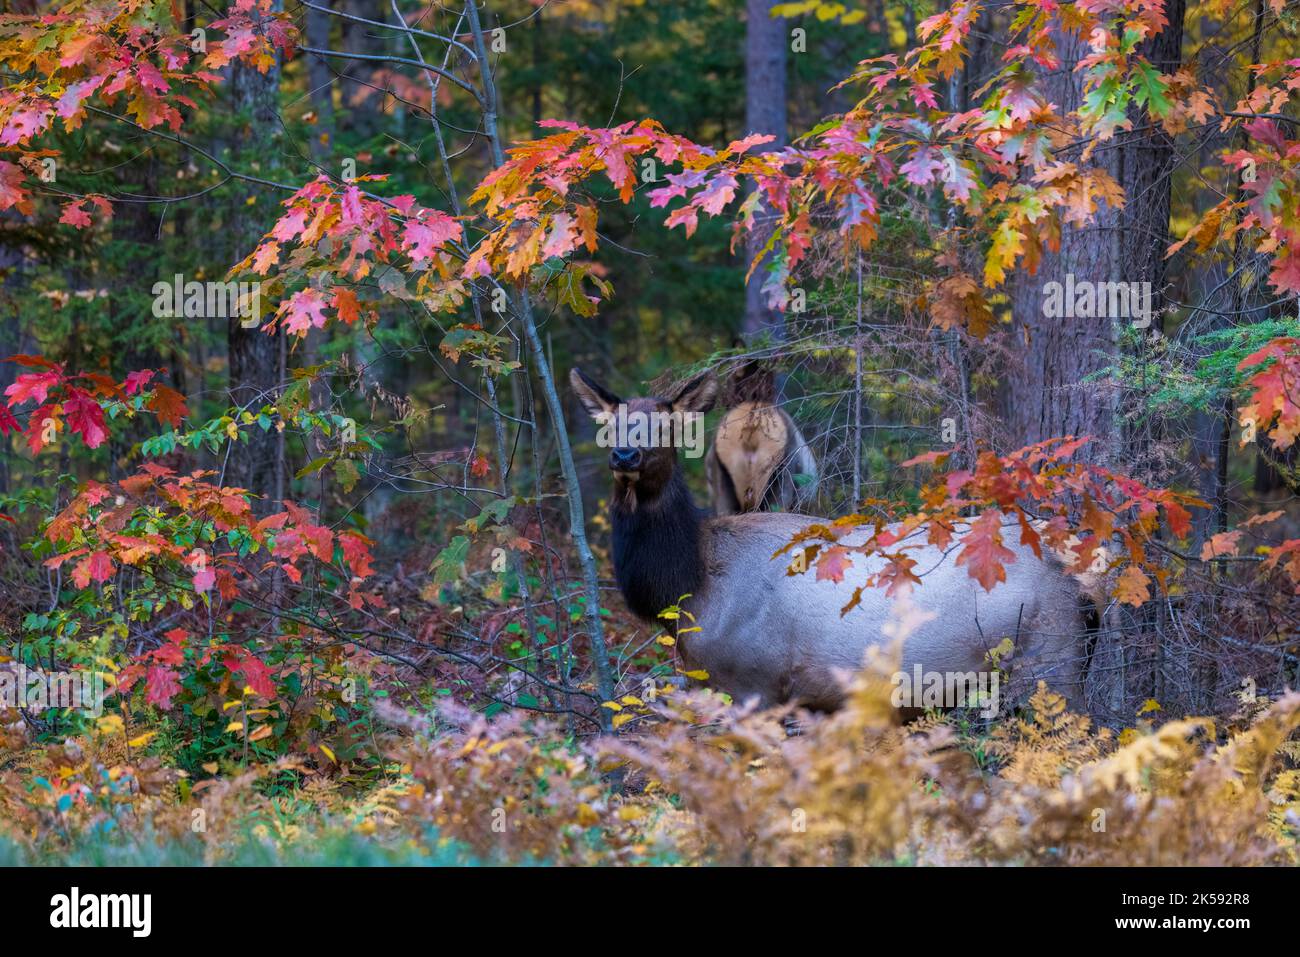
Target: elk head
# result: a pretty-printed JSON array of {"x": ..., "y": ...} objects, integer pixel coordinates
[
  {"x": 656, "y": 526},
  {"x": 643, "y": 433}
]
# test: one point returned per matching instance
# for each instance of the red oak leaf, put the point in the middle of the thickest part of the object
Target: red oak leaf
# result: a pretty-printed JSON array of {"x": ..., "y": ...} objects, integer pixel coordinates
[
  {"x": 32, "y": 385},
  {"x": 1285, "y": 275},
  {"x": 345, "y": 301},
  {"x": 1224, "y": 543},
  {"x": 320, "y": 540},
  {"x": 42, "y": 427},
  {"x": 425, "y": 236},
  {"x": 983, "y": 553},
  {"x": 12, "y": 193},
  {"x": 833, "y": 563},
  {"x": 96, "y": 567},
  {"x": 256, "y": 674},
  {"x": 173, "y": 650},
  {"x": 85, "y": 417},
  {"x": 356, "y": 550},
  {"x": 204, "y": 578},
  {"x": 169, "y": 405},
  {"x": 161, "y": 686},
  {"x": 303, "y": 310},
  {"x": 290, "y": 224},
  {"x": 75, "y": 215},
  {"x": 136, "y": 381}
]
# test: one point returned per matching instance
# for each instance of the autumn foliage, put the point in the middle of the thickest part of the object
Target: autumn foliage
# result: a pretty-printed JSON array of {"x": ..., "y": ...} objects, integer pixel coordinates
[{"x": 392, "y": 631}]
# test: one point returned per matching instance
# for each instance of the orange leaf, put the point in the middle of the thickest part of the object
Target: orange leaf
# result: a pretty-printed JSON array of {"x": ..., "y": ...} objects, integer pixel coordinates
[
  {"x": 1131, "y": 588},
  {"x": 983, "y": 553}
]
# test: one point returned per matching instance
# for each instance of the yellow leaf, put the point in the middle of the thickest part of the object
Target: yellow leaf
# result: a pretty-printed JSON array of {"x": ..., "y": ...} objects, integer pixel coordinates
[
  {"x": 328, "y": 753},
  {"x": 142, "y": 740},
  {"x": 611, "y": 705},
  {"x": 631, "y": 699},
  {"x": 110, "y": 724},
  {"x": 699, "y": 675},
  {"x": 235, "y": 726},
  {"x": 622, "y": 719},
  {"x": 666, "y": 640},
  {"x": 1151, "y": 704}
]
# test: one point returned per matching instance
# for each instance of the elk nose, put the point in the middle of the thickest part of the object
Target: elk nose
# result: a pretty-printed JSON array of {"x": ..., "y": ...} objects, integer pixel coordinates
[{"x": 625, "y": 460}]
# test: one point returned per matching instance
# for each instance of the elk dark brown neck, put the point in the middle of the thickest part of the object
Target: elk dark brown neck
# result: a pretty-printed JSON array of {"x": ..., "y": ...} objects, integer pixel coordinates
[{"x": 657, "y": 544}]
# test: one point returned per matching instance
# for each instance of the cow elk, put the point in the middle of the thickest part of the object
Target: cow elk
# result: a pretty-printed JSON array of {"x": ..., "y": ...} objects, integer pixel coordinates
[
  {"x": 759, "y": 459},
  {"x": 780, "y": 637}
]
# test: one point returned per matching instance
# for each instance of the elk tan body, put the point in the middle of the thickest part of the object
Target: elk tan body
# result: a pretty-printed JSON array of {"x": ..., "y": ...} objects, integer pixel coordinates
[
  {"x": 776, "y": 637},
  {"x": 753, "y": 461},
  {"x": 782, "y": 637},
  {"x": 758, "y": 451}
]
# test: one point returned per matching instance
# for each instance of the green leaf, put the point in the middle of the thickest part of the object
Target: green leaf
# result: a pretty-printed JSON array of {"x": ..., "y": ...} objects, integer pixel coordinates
[
  {"x": 1151, "y": 89},
  {"x": 312, "y": 467},
  {"x": 345, "y": 472},
  {"x": 449, "y": 564}
]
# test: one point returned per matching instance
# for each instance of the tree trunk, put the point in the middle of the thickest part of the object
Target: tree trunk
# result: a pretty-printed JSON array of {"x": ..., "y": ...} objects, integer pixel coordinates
[
  {"x": 1050, "y": 398},
  {"x": 14, "y": 334},
  {"x": 765, "y": 40},
  {"x": 320, "y": 84},
  {"x": 1054, "y": 397},
  {"x": 1062, "y": 390},
  {"x": 254, "y": 355},
  {"x": 364, "y": 103}
]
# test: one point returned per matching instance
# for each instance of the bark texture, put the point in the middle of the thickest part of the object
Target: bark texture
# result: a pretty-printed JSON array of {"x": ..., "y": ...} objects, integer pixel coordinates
[
  {"x": 254, "y": 355},
  {"x": 1055, "y": 395},
  {"x": 765, "y": 112}
]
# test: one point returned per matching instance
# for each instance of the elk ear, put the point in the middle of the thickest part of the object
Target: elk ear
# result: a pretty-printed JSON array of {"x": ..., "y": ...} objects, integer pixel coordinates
[
  {"x": 697, "y": 395},
  {"x": 595, "y": 398}
]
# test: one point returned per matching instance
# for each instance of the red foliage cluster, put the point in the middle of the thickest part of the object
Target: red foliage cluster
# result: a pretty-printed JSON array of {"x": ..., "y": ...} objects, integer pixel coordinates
[
  {"x": 160, "y": 668},
  {"x": 1073, "y": 508},
  {"x": 118, "y": 54},
  {"x": 100, "y": 513},
  {"x": 365, "y": 231},
  {"x": 75, "y": 401}
]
